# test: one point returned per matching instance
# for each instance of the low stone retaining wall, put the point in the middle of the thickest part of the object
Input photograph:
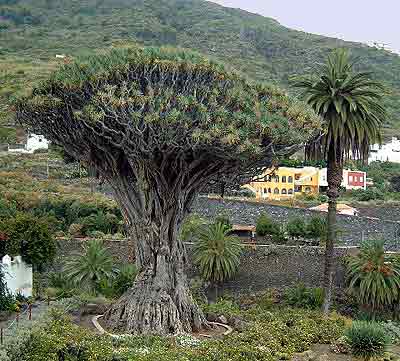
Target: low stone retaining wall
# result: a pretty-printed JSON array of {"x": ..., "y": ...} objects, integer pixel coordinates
[
  {"x": 352, "y": 229},
  {"x": 261, "y": 266},
  {"x": 275, "y": 266}
]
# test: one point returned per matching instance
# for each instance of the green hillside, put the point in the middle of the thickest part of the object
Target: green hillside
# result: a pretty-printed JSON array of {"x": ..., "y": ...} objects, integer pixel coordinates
[{"x": 32, "y": 32}]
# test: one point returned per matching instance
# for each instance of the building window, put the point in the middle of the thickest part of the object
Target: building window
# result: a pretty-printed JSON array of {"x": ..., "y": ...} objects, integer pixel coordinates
[
  {"x": 355, "y": 178},
  {"x": 277, "y": 178},
  {"x": 297, "y": 176},
  {"x": 307, "y": 190},
  {"x": 284, "y": 191},
  {"x": 265, "y": 190},
  {"x": 284, "y": 179},
  {"x": 290, "y": 191},
  {"x": 297, "y": 188},
  {"x": 276, "y": 191},
  {"x": 350, "y": 178},
  {"x": 290, "y": 179},
  {"x": 269, "y": 190},
  {"x": 361, "y": 179}
]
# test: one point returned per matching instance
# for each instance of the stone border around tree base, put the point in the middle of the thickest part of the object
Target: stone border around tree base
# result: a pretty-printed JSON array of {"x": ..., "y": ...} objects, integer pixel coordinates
[{"x": 104, "y": 332}]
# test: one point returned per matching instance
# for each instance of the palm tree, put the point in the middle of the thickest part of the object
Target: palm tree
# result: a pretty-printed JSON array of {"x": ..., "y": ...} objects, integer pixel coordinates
[
  {"x": 349, "y": 103},
  {"x": 92, "y": 266},
  {"x": 374, "y": 277},
  {"x": 217, "y": 253}
]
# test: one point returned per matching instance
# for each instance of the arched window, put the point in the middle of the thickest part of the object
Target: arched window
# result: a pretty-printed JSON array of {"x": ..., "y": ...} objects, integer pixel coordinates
[
  {"x": 269, "y": 190},
  {"x": 290, "y": 179},
  {"x": 284, "y": 191},
  {"x": 290, "y": 191},
  {"x": 277, "y": 178},
  {"x": 265, "y": 190},
  {"x": 284, "y": 179},
  {"x": 276, "y": 191},
  {"x": 307, "y": 190}
]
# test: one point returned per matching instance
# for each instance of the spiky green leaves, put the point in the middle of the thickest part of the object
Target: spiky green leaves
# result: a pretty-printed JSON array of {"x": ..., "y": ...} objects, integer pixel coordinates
[
  {"x": 217, "y": 253},
  {"x": 374, "y": 276},
  {"x": 143, "y": 98},
  {"x": 349, "y": 102}
]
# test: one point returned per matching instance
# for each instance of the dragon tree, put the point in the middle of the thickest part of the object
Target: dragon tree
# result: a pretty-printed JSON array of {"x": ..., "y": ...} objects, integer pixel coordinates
[{"x": 158, "y": 125}]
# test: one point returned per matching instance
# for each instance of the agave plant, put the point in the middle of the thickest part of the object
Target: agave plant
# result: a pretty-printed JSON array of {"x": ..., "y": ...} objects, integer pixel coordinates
[
  {"x": 374, "y": 277},
  {"x": 217, "y": 253},
  {"x": 90, "y": 267}
]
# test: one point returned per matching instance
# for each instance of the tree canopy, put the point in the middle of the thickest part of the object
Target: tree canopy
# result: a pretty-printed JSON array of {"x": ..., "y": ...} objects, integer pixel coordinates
[{"x": 148, "y": 103}]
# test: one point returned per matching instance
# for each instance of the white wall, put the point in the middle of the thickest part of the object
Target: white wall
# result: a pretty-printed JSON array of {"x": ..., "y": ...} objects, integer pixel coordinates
[
  {"x": 386, "y": 152},
  {"x": 34, "y": 142},
  {"x": 18, "y": 275}
]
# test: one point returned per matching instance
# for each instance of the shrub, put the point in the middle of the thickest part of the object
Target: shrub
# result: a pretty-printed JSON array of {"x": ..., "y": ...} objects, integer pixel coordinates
[
  {"x": 304, "y": 297},
  {"x": 31, "y": 238},
  {"x": 317, "y": 228},
  {"x": 75, "y": 230},
  {"x": 374, "y": 277},
  {"x": 92, "y": 266},
  {"x": 265, "y": 226},
  {"x": 190, "y": 227},
  {"x": 392, "y": 330},
  {"x": 223, "y": 219},
  {"x": 217, "y": 253},
  {"x": 122, "y": 281},
  {"x": 367, "y": 339},
  {"x": 296, "y": 228}
]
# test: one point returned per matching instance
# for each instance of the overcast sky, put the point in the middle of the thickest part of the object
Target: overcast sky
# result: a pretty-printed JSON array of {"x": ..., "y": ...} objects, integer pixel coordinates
[{"x": 365, "y": 21}]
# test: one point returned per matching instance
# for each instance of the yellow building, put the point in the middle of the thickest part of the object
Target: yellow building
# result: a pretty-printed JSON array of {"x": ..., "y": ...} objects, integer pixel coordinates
[{"x": 285, "y": 183}]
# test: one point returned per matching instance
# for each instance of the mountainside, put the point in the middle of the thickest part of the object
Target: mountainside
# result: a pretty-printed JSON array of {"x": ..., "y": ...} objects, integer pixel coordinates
[{"x": 32, "y": 32}]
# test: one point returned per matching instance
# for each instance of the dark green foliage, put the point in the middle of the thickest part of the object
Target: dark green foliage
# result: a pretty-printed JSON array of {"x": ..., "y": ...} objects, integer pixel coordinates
[
  {"x": 119, "y": 283},
  {"x": 92, "y": 266},
  {"x": 350, "y": 103},
  {"x": 304, "y": 297},
  {"x": 296, "y": 228},
  {"x": 369, "y": 194},
  {"x": 374, "y": 277},
  {"x": 217, "y": 253},
  {"x": 266, "y": 226},
  {"x": 367, "y": 339},
  {"x": 223, "y": 219},
  {"x": 317, "y": 228},
  {"x": 30, "y": 237}
]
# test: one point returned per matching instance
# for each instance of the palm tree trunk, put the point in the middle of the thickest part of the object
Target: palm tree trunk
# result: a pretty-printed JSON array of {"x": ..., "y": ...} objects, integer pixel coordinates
[{"x": 335, "y": 175}]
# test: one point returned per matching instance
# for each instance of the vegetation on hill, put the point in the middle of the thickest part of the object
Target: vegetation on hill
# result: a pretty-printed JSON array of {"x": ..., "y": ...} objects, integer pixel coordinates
[{"x": 33, "y": 32}]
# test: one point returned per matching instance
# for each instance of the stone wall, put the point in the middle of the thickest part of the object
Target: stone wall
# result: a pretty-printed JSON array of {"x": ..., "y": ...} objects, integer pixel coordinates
[
  {"x": 261, "y": 266},
  {"x": 352, "y": 229}
]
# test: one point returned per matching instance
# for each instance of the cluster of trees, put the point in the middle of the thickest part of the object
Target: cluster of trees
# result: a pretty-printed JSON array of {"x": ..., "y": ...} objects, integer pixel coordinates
[{"x": 160, "y": 125}]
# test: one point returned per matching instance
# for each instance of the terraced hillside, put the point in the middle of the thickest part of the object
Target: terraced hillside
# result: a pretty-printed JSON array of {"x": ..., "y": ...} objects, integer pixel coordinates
[{"x": 33, "y": 32}]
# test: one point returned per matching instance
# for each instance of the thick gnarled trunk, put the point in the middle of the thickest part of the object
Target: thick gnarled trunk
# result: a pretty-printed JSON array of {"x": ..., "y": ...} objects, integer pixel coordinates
[
  {"x": 159, "y": 301},
  {"x": 334, "y": 177}
]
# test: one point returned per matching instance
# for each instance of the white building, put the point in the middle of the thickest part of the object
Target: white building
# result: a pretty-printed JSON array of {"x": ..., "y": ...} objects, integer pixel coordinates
[
  {"x": 389, "y": 152},
  {"x": 33, "y": 143},
  {"x": 17, "y": 275}
]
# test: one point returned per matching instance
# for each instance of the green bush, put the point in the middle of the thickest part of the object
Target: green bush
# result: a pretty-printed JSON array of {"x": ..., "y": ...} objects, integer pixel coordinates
[
  {"x": 304, "y": 297},
  {"x": 367, "y": 339},
  {"x": 265, "y": 226},
  {"x": 374, "y": 277},
  {"x": 317, "y": 228},
  {"x": 296, "y": 228},
  {"x": 120, "y": 283},
  {"x": 370, "y": 194},
  {"x": 91, "y": 267},
  {"x": 31, "y": 238},
  {"x": 392, "y": 330},
  {"x": 223, "y": 219}
]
